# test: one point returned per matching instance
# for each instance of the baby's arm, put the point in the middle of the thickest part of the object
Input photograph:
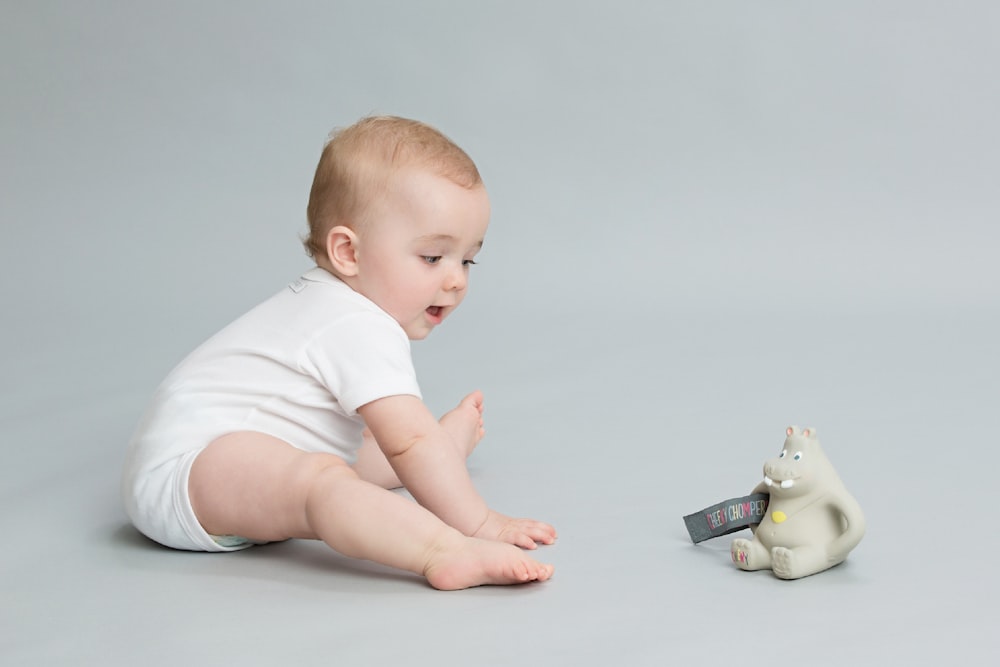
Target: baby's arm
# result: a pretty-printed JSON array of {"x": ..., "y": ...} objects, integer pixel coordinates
[{"x": 431, "y": 466}]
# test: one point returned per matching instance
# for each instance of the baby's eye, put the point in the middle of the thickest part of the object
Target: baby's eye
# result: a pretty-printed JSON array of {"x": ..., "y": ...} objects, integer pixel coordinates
[
  {"x": 432, "y": 259},
  {"x": 798, "y": 456},
  {"x": 468, "y": 262}
]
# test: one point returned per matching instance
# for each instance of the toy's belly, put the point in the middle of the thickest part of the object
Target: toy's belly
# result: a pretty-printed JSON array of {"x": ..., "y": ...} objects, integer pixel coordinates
[{"x": 810, "y": 526}]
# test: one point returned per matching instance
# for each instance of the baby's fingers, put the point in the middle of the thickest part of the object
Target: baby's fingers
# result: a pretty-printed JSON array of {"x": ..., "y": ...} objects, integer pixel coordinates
[
  {"x": 523, "y": 540},
  {"x": 536, "y": 532}
]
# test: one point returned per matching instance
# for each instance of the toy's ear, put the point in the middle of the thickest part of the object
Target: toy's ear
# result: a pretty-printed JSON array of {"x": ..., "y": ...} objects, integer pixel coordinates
[
  {"x": 810, "y": 433},
  {"x": 792, "y": 430}
]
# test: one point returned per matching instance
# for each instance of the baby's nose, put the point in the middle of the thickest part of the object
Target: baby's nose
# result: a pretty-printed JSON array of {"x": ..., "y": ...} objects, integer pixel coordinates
[{"x": 456, "y": 280}]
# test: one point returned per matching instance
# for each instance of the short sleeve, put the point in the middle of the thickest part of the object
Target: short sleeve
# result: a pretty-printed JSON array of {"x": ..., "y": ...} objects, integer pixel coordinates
[{"x": 362, "y": 358}]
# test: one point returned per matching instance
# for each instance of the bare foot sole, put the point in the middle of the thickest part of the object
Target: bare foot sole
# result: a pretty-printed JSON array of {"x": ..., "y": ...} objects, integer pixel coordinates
[
  {"x": 482, "y": 562},
  {"x": 465, "y": 422}
]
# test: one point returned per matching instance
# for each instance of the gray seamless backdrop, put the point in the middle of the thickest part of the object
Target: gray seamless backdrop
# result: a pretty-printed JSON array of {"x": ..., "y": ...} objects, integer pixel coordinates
[{"x": 711, "y": 220}]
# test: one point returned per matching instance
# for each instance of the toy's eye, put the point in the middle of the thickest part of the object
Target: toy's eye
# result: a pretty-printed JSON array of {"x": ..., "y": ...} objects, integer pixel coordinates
[
  {"x": 782, "y": 454},
  {"x": 798, "y": 456}
]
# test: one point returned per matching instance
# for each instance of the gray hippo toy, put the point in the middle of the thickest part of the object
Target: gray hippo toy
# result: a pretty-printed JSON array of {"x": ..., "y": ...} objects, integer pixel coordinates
[{"x": 811, "y": 522}]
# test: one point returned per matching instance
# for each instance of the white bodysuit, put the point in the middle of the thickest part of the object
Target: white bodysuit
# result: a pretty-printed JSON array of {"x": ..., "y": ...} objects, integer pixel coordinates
[{"x": 297, "y": 367}]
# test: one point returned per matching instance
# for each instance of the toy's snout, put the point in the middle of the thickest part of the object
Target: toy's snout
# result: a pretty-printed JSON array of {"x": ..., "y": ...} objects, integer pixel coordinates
[{"x": 779, "y": 474}]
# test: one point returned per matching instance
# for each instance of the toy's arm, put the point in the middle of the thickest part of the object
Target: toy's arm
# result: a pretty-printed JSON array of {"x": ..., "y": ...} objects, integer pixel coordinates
[
  {"x": 760, "y": 488},
  {"x": 849, "y": 509}
]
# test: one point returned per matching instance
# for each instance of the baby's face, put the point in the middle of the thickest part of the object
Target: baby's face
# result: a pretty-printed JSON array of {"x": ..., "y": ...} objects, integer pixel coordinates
[{"x": 416, "y": 249}]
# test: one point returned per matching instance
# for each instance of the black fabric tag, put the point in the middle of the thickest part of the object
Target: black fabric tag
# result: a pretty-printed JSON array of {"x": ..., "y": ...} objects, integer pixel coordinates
[{"x": 726, "y": 517}]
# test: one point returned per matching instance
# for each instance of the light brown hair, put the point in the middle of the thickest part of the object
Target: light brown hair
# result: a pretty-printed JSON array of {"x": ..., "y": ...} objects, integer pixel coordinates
[{"x": 358, "y": 161}]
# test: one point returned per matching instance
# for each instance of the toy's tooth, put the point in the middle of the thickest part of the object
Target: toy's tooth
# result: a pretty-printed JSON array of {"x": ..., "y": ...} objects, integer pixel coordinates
[
  {"x": 787, "y": 484},
  {"x": 768, "y": 481}
]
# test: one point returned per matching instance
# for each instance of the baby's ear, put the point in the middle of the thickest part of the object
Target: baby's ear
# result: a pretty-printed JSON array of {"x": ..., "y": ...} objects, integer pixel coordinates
[{"x": 341, "y": 250}]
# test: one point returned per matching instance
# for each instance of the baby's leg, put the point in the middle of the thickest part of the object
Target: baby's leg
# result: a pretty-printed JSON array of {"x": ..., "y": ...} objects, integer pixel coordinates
[
  {"x": 262, "y": 488},
  {"x": 464, "y": 423},
  {"x": 373, "y": 467}
]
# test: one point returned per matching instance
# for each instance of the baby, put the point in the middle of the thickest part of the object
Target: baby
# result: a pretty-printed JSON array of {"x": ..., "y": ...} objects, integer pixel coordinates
[{"x": 294, "y": 420}]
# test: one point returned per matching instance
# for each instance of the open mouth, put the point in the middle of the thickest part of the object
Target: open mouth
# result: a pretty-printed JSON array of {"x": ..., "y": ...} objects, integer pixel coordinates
[
  {"x": 785, "y": 483},
  {"x": 435, "y": 311}
]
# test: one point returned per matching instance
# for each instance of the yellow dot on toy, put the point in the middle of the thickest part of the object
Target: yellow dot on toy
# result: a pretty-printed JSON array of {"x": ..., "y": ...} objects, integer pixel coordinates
[{"x": 778, "y": 516}]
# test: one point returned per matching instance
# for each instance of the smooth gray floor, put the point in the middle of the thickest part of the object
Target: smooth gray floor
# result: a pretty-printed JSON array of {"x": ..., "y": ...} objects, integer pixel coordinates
[{"x": 711, "y": 220}]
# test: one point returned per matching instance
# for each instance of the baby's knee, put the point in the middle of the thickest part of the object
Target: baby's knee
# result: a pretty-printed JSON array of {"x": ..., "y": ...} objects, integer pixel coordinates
[
  {"x": 322, "y": 482},
  {"x": 316, "y": 468}
]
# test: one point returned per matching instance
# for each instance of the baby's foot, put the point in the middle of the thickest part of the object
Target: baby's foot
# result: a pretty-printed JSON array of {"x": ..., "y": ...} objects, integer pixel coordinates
[
  {"x": 465, "y": 422},
  {"x": 475, "y": 562}
]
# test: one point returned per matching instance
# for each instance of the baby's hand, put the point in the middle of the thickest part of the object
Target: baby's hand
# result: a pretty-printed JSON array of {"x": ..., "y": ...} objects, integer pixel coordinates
[{"x": 525, "y": 533}]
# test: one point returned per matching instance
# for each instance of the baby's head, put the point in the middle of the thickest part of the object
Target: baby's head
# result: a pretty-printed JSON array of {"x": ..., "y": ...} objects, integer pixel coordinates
[
  {"x": 359, "y": 162},
  {"x": 398, "y": 213}
]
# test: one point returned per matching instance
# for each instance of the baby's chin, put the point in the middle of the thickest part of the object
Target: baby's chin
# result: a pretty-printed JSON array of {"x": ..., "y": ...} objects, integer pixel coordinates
[{"x": 418, "y": 331}]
